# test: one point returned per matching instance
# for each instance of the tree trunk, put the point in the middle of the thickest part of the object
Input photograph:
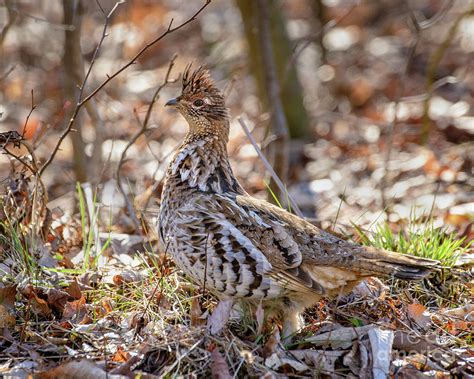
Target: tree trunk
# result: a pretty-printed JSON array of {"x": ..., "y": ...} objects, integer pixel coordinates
[
  {"x": 291, "y": 92},
  {"x": 73, "y": 75}
]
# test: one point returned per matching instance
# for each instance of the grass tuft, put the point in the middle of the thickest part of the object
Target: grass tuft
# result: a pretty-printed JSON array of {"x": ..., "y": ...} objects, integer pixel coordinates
[{"x": 420, "y": 238}]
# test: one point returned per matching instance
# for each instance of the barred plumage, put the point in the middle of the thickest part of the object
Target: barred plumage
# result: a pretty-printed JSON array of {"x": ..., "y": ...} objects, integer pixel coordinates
[{"x": 244, "y": 248}]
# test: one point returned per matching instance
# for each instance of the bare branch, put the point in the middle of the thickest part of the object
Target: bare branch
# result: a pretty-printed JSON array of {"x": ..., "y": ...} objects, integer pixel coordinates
[
  {"x": 269, "y": 167},
  {"x": 142, "y": 130},
  {"x": 82, "y": 101}
]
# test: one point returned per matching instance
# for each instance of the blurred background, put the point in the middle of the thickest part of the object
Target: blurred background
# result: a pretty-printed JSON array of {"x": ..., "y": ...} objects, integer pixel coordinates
[{"x": 365, "y": 108}]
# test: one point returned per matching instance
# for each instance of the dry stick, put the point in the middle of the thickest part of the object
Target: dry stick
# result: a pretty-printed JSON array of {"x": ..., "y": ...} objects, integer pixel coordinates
[
  {"x": 81, "y": 101},
  {"x": 33, "y": 107},
  {"x": 142, "y": 130},
  {"x": 269, "y": 167}
]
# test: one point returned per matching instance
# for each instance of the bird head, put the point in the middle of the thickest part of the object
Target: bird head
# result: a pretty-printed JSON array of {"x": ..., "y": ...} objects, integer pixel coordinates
[{"x": 201, "y": 103}]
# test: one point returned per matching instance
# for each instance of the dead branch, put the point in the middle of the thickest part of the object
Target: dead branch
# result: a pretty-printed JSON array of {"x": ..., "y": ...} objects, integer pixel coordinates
[
  {"x": 81, "y": 101},
  {"x": 269, "y": 168},
  {"x": 144, "y": 126}
]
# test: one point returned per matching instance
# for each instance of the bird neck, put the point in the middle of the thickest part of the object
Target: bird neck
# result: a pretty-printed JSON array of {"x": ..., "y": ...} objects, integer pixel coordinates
[{"x": 202, "y": 163}]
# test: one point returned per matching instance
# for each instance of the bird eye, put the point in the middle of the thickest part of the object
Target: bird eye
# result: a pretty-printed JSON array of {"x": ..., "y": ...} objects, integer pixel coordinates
[{"x": 198, "y": 103}]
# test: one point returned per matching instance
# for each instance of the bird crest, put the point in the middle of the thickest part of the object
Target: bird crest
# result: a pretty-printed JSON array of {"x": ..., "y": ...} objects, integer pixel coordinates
[{"x": 199, "y": 81}]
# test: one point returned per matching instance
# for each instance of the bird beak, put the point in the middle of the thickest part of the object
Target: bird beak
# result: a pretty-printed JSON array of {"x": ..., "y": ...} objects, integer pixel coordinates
[{"x": 172, "y": 103}]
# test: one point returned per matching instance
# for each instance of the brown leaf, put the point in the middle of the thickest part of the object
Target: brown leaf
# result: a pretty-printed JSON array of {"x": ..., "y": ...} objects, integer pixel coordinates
[
  {"x": 271, "y": 345},
  {"x": 6, "y": 319},
  {"x": 107, "y": 305},
  {"x": 419, "y": 314},
  {"x": 74, "y": 290},
  {"x": 75, "y": 310},
  {"x": 83, "y": 369},
  {"x": 219, "y": 366},
  {"x": 57, "y": 299},
  {"x": 196, "y": 313},
  {"x": 121, "y": 355},
  {"x": 7, "y": 296},
  {"x": 39, "y": 306}
]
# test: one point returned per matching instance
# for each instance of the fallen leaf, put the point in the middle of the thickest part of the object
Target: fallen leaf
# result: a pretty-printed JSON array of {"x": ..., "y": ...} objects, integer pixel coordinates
[
  {"x": 74, "y": 290},
  {"x": 83, "y": 369},
  {"x": 465, "y": 312},
  {"x": 121, "y": 355},
  {"x": 8, "y": 296},
  {"x": 218, "y": 319},
  {"x": 219, "y": 367},
  {"x": 381, "y": 342},
  {"x": 271, "y": 345},
  {"x": 196, "y": 313},
  {"x": 418, "y": 313},
  {"x": 57, "y": 299},
  {"x": 6, "y": 319},
  {"x": 75, "y": 311},
  {"x": 339, "y": 338}
]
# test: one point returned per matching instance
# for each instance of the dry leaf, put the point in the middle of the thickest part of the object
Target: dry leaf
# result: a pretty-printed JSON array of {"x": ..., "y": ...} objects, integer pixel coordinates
[
  {"x": 465, "y": 312},
  {"x": 419, "y": 314},
  {"x": 196, "y": 313},
  {"x": 8, "y": 296},
  {"x": 57, "y": 299},
  {"x": 74, "y": 290},
  {"x": 339, "y": 338},
  {"x": 75, "y": 311},
  {"x": 83, "y": 369},
  {"x": 39, "y": 306},
  {"x": 6, "y": 319},
  {"x": 121, "y": 355},
  {"x": 381, "y": 342},
  {"x": 271, "y": 345},
  {"x": 219, "y": 367},
  {"x": 218, "y": 319}
]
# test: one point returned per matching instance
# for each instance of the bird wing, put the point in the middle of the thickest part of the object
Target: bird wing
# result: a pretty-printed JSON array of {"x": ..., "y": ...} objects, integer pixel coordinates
[
  {"x": 264, "y": 241},
  {"x": 319, "y": 248}
]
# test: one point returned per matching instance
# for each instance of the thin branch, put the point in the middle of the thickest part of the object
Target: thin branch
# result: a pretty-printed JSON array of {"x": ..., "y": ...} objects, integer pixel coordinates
[
  {"x": 142, "y": 130},
  {"x": 33, "y": 107},
  {"x": 269, "y": 167},
  {"x": 81, "y": 101}
]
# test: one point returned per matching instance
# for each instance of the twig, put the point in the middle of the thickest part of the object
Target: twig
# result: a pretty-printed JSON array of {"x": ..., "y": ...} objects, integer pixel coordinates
[
  {"x": 269, "y": 167},
  {"x": 81, "y": 101},
  {"x": 33, "y": 107},
  {"x": 142, "y": 130}
]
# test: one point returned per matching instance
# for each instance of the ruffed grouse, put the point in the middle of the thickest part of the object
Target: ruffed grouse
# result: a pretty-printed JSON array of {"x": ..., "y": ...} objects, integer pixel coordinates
[{"x": 244, "y": 248}]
